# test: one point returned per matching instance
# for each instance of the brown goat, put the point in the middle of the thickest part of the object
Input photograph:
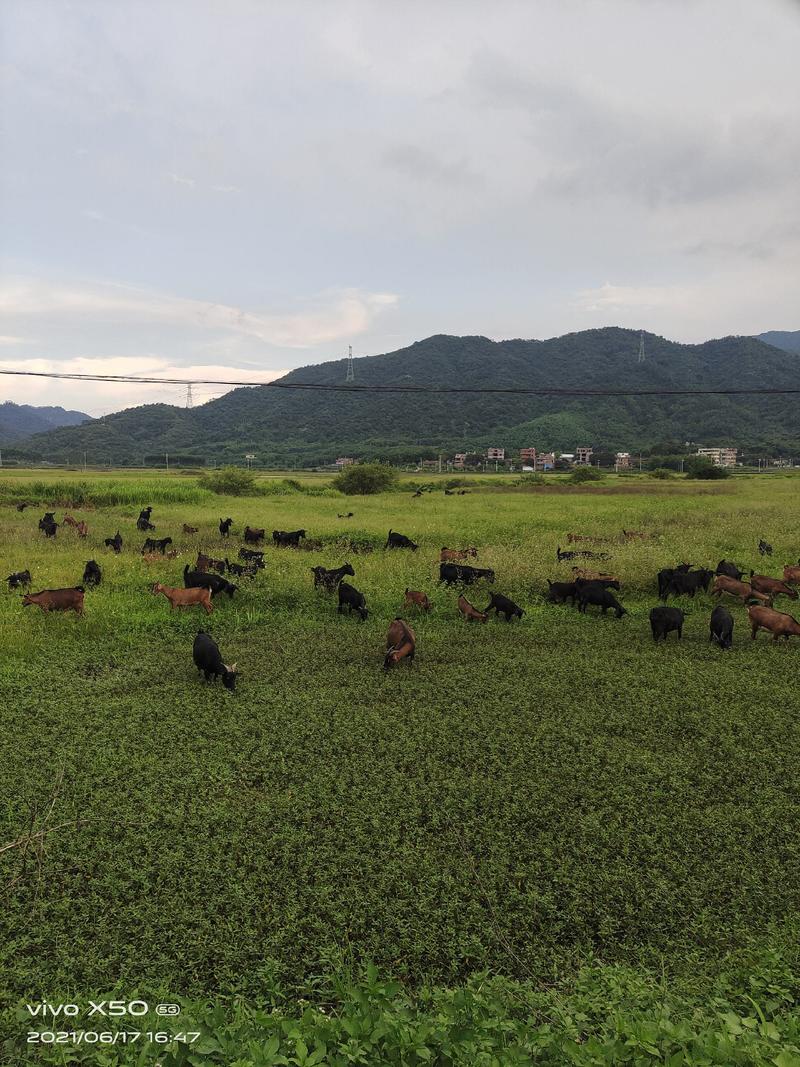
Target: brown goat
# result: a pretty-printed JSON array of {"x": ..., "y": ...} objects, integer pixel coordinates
[
  {"x": 575, "y": 538},
  {"x": 156, "y": 557},
  {"x": 634, "y": 535},
  {"x": 724, "y": 584},
  {"x": 401, "y": 643},
  {"x": 791, "y": 575},
  {"x": 469, "y": 612},
  {"x": 190, "y": 529},
  {"x": 68, "y": 520},
  {"x": 448, "y": 555},
  {"x": 57, "y": 599},
  {"x": 776, "y": 622},
  {"x": 185, "y": 598},
  {"x": 772, "y": 586},
  {"x": 82, "y": 528},
  {"x": 205, "y": 563},
  {"x": 593, "y": 576},
  {"x": 417, "y": 599}
]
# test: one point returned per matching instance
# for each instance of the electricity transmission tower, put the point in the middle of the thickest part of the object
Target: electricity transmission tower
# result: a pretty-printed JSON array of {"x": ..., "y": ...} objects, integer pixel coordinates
[
  {"x": 350, "y": 376},
  {"x": 641, "y": 347},
  {"x": 189, "y": 398}
]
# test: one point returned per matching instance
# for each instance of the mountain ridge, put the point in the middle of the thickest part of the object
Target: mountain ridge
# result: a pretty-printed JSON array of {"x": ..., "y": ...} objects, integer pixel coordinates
[
  {"x": 283, "y": 426},
  {"x": 21, "y": 421}
]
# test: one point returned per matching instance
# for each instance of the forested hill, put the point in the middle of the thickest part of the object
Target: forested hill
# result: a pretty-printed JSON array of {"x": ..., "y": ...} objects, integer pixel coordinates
[
  {"x": 284, "y": 425},
  {"x": 18, "y": 421}
]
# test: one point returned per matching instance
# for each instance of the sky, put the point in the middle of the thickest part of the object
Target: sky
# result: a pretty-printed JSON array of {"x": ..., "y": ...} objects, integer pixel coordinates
[{"x": 196, "y": 188}]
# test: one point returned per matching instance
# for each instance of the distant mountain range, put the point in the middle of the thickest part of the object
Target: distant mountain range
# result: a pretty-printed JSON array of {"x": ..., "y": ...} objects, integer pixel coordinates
[
  {"x": 286, "y": 426},
  {"x": 788, "y": 340},
  {"x": 20, "y": 421}
]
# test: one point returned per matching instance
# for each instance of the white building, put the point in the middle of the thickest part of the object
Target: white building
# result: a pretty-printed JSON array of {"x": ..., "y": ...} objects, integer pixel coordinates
[{"x": 720, "y": 457}]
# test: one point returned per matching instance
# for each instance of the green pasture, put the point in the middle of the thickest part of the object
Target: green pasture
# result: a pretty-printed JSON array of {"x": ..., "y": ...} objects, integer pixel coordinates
[{"x": 527, "y": 800}]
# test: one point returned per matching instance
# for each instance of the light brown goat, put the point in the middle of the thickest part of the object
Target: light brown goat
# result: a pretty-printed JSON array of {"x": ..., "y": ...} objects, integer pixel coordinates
[
  {"x": 776, "y": 622},
  {"x": 189, "y": 529},
  {"x": 417, "y": 598},
  {"x": 185, "y": 598},
  {"x": 593, "y": 576},
  {"x": 724, "y": 584},
  {"x": 448, "y": 555},
  {"x": 576, "y": 538},
  {"x": 469, "y": 612},
  {"x": 401, "y": 643},
  {"x": 791, "y": 575}
]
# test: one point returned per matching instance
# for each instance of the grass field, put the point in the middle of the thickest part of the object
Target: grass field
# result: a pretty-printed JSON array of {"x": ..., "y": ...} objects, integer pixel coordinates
[{"x": 527, "y": 800}]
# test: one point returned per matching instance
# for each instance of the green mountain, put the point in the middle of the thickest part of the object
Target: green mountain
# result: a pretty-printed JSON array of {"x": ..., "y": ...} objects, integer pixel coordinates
[
  {"x": 285, "y": 426},
  {"x": 788, "y": 340},
  {"x": 18, "y": 421}
]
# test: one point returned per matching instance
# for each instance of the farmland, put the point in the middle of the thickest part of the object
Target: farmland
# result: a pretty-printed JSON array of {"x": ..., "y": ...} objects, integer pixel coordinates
[{"x": 526, "y": 800}]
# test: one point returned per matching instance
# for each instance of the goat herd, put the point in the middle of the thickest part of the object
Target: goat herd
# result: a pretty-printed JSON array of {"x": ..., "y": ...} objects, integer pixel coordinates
[{"x": 206, "y": 580}]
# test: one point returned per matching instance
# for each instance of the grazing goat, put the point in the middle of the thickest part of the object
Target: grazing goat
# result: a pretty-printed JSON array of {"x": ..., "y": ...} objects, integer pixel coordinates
[
  {"x": 582, "y": 554},
  {"x": 664, "y": 620},
  {"x": 57, "y": 599},
  {"x": 721, "y": 627},
  {"x": 68, "y": 520},
  {"x": 291, "y": 539},
  {"x": 583, "y": 574},
  {"x": 252, "y": 536},
  {"x": 240, "y": 570},
  {"x": 225, "y": 527},
  {"x": 201, "y": 580},
  {"x": 398, "y": 540},
  {"x": 448, "y": 555},
  {"x": 561, "y": 592},
  {"x": 21, "y": 506},
  {"x": 350, "y": 598},
  {"x": 776, "y": 622},
  {"x": 743, "y": 590},
  {"x": 605, "y": 581},
  {"x": 764, "y": 547},
  {"x": 48, "y": 519},
  {"x": 329, "y": 579},
  {"x": 501, "y": 605},
  {"x": 688, "y": 583},
  {"x": 634, "y": 535},
  {"x": 470, "y": 612},
  {"x": 114, "y": 542},
  {"x": 453, "y": 573},
  {"x": 143, "y": 522},
  {"x": 92, "y": 575},
  {"x": 250, "y": 556},
  {"x": 791, "y": 574},
  {"x": 573, "y": 539},
  {"x": 189, "y": 529},
  {"x": 729, "y": 569},
  {"x": 185, "y": 598},
  {"x": 772, "y": 586},
  {"x": 594, "y": 594},
  {"x": 401, "y": 643},
  {"x": 18, "y": 579},
  {"x": 347, "y": 515},
  {"x": 153, "y": 544},
  {"x": 417, "y": 599},
  {"x": 208, "y": 660},
  {"x": 206, "y": 563}
]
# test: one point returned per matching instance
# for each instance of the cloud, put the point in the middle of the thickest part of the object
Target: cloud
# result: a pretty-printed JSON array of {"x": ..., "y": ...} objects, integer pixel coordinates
[
  {"x": 7, "y": 339},
  {"x": 178, "y": 180},
  {"x": 336, "y": 314},
  {"x": 226, "y": 188},
  {"x": 97, "y": 398},
  {"x": 616, "y": 299}
]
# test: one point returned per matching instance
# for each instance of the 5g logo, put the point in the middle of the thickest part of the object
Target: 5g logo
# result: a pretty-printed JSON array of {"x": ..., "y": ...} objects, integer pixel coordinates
[{"x": 168, "y": 1009}]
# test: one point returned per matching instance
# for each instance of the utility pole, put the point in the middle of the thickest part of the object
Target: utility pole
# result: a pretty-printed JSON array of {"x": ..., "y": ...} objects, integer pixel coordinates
[
  {"x": 350, "y": 376},
  {"x": 166, "y": 457},
  {"x": 84, "y": 463},
  {"x": 189, "y": 397}
]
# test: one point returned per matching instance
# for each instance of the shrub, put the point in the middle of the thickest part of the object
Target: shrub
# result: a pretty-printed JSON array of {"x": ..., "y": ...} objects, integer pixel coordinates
[
  {"x": 662, "y": 474},
  {"x": 702, "y": 467},
  {"x": 585, "y": 474},
  {"x": 363, "y": 479},
  {"x": 530, "y": 479},
  {"x": 230, "y": 481}
]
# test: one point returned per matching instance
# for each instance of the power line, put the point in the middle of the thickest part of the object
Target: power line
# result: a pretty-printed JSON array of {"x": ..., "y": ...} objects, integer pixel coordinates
[{"x": 425, "y": 389}]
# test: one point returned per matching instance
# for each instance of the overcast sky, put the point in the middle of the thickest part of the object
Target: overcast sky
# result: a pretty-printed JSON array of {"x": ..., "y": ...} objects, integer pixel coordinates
[{"x": 237, "y": 188}]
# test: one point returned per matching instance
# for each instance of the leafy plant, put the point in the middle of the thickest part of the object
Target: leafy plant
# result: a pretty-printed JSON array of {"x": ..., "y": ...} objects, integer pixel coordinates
[
  {"x": 230, "y": 481},
  {"x": 364, "y": 479}
]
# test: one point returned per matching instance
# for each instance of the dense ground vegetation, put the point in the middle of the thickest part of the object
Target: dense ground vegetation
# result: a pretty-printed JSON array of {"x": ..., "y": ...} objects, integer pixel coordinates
[{"x": 607, "y": 824}]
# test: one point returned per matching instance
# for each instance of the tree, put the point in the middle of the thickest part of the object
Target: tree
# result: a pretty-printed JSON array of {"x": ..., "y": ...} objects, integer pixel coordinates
[
  {"x": 230, "y": 481},
  {"x": 363, "y": 479},
  {"x": 702, "y": 467}
]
